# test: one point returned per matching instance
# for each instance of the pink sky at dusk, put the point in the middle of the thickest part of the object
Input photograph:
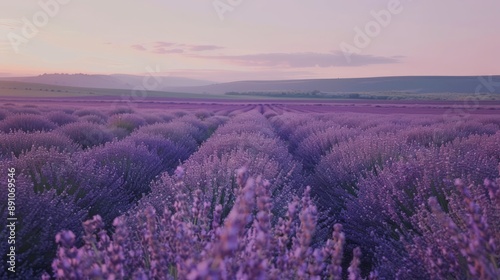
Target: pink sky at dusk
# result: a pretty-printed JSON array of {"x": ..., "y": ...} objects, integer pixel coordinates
[{"x": 257, "y": 39}]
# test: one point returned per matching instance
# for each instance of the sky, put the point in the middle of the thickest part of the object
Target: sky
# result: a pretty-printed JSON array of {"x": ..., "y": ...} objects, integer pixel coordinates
[{"x": 228, "y": 40}]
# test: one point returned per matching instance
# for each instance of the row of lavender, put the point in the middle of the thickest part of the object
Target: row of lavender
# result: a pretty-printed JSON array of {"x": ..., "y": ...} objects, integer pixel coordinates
[
  {"x": 72, "y": 164},
  {"x": 388, "y": 179},
  {"x": 195, "y": 223}
]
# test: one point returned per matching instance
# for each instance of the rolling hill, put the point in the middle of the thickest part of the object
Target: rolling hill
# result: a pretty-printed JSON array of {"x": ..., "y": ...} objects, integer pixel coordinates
[
  {"x": 115, "y": 81},
  {"x": 410, "y": 87},
  {"x": 416, "y": 84}
]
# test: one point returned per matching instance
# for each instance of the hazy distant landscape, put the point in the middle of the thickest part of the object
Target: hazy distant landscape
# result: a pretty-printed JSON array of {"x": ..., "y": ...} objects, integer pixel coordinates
[{"x": 382, "y": 88}]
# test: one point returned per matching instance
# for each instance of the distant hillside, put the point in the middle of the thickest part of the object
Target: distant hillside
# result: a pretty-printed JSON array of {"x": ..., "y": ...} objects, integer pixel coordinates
[
  {"x": 387, "y": 86},
  {"x": 117, "y": 81},
  {"x": 421, "y": 84}
]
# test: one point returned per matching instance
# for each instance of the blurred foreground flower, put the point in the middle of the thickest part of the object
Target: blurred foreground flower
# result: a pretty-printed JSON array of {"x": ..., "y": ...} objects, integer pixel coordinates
[{"x": 184, "y": 244}]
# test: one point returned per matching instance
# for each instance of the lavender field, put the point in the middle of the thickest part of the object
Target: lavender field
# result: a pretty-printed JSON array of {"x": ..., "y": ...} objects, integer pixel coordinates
[{"x": 251, "y": 191}]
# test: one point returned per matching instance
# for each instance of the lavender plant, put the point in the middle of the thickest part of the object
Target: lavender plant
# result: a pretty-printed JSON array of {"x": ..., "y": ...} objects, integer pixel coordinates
[
  {"x": 179, "y": 132},
  {"x": 336, "y": 175},
  {"x": 40, "y": 216},
  {"x": 389, "y": 215},
  {"x": 169, "y": 152},
  {"x": 3, "y": 114},
  {"x": 93, "y": 119},
  {"x": 128, "y": 122},
  {"x": 319, "y": 143},
  {"x": 86, "y": 134},
  {"x": 183, "y": 244},
  {"x": 61, "y": 118},
  {"x": 90, "y": 112},
  {"x": 20, "y": 142},
  {"x": 26, "y": 123},
  {"x": 134, "y": 163}
]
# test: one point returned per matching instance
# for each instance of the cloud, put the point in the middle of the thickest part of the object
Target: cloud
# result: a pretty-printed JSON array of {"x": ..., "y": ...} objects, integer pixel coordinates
[
  {"x": 287, "y": 60},
  {"x": 162, "y": 47},
  {"x": 306, "y": 59},
  {"x": 10, "y": 24},
  {"x": 160, "y": 44},
  {"x": 165, "y": 51},
  {"x": 7, "y": 26},
  {"x": 198, "y": 48},
  {"x": 138, "y": 47},
  {"x": 221, "y": 75}
]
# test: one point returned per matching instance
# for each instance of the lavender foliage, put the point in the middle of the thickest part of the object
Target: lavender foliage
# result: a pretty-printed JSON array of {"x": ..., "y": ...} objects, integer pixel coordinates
[
  {"x": 86, "y": 134},
  {"x": 20, "y": 142},
  {"x": 26, "y": 123},
  {"x": 164, "y": 194},
  {"x": 184, "y": 244}
]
